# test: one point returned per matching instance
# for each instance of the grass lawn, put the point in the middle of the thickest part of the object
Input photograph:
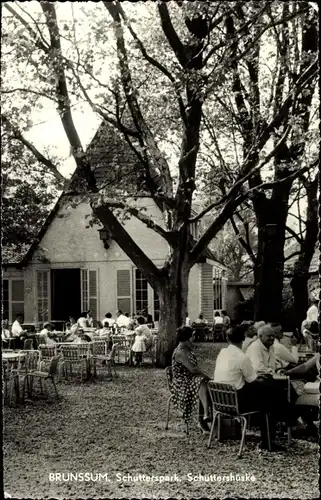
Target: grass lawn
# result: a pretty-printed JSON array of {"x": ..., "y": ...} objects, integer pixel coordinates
[{"x": 117, "y": 427}]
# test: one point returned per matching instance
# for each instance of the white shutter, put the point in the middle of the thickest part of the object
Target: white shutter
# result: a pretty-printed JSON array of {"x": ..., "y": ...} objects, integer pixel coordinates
[
  {"x": 207, "y": 291},
  {"x": 43, "y": 295},
  {"x": 92, "y": 294},
  {"x": 84, "y": 290},
  {"x": 17, "y": 297},
  {"x": 123, "y": 291}
]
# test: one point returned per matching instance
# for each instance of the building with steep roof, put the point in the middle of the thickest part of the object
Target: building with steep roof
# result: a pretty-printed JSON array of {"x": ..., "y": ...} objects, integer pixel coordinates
[{"x": 70, "y": 268}]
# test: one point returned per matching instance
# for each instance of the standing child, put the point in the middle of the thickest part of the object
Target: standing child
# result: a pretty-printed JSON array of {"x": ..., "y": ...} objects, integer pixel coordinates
[{"x": 139, "y": 345}]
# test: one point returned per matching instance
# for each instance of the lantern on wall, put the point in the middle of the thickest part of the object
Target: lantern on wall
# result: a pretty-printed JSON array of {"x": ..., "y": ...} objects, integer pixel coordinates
[{"x": 105, "y": 236}]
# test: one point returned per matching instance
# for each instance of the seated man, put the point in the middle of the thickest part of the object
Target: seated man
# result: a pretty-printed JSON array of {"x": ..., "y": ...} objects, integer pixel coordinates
[
  {"x": 250, "y": 334},
  {"x": 108, "y": 319},
  {"x": 17, "y": 331},
  {"x": 201, "y": 320},
  {"x": 44, "y": 335},
  {"x": 82, "y": 320},
  {"x": 122, "y": 320},
  {"x": 234, "y": 367},
  {"x": 283, "y": 355},
  {"x": 261, "y": 352}
]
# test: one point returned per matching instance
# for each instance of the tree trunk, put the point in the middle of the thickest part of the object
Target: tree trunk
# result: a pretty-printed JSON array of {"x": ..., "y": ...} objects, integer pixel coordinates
[
  {"x": 299, "y": 282},
  {"x": 269, "y": 273},
  {"x": 173, "y": 296}
]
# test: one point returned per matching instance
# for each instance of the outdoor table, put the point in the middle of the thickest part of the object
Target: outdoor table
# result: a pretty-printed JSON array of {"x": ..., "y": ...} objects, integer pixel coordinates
[{"x": 13, "y": 356}]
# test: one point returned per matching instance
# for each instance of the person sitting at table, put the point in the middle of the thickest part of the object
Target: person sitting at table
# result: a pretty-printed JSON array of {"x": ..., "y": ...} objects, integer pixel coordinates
[
  {"x": 5, "y": 333},
  {"x": 144, "y": 330},
  {"x": 261, "y": 352},
  {"x": 285, "y": 357},
  {"x": 250, "y": 334},
  {"x": 201, "y": 320},
  {"x": 218, "y": 320},
  {"x": 189, "y": 382},
  {"x": 226, "y": 320},
  {"x": 80, "y": 337},
  {"x": 312, "y": 312},
  {"x": 17, "y": 332},
  {"x": 308, "y": 402},
  {"x": 108, "y": 319},
  {"x": 234, "y": 367},
  {"x": 82, "y": 321},
  {"x": 311, "y": 335},
  {"x": 122, "y": 320},
  {"x": 90, "y": 319},
  {"x": 73, "y": 332},
  {"x": 44, "y": 335},
  {"x": 187, "y": 320}
]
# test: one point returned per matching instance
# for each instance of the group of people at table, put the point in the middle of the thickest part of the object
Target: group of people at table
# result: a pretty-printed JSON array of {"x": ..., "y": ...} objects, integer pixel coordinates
[
  {"x": 82, "y": 330},
  {"x": 257, "y": 362}
]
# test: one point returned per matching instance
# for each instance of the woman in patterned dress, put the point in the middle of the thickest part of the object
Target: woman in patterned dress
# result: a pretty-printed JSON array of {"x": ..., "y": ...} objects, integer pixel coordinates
[{"x": 189, "y": 382}]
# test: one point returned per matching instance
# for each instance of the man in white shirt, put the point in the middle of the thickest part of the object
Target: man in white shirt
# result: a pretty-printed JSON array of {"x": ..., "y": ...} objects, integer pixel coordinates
[
  {"x": 108, "y": 319},
  {"x": 261, "y": 352},
  {"x": 234, "y": 367},
  {"x": 82, "y": 321},
  {"x": 16, "y": 328},
  {"x": 313, "y": 313},
  {"x": 283, "y": 355},
  {"x": 122, "y": 320},
  {"x": 201, "y": 320}
]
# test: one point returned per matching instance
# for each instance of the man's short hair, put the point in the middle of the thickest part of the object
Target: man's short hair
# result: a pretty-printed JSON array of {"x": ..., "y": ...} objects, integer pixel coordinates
[
  {"x": 236, "y": 334},
  {"x": 108, "y": 315}
]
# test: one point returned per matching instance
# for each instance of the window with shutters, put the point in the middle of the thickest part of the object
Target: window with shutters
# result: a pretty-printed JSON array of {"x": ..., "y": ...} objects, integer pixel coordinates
[
  {"x": 123, "y": 290},
  {"x": 84, "y": 290},
  {"x": 17, "y": 297},
  {"x": 12, "y": 298},
  {"x": 5, "y": 300},
  {"x": 43, "y": 296},
  {"x": 141, "y": 292},
  {"x": 89, "y": 292},
  {"x": 217, "y": 284}
]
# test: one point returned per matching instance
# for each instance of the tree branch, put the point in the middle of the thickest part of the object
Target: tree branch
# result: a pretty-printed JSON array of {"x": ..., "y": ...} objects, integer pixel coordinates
[
  {"x": 125, "y": 241},
  {"x": 39, "y": 156},
  {"x": 135, "y": 212},
  {"x": 171, "y": 35},
  {"x": 293, "y": 233}
]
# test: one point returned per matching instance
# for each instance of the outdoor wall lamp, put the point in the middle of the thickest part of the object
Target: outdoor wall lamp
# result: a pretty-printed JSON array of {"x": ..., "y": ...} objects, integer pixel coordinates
[{"x": 105, "y": 236}]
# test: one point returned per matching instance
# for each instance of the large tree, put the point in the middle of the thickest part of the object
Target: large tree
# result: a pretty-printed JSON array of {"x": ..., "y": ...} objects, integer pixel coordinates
[
  {"x": 187, "y": 60},
  {"x": 265, "y": 102}
]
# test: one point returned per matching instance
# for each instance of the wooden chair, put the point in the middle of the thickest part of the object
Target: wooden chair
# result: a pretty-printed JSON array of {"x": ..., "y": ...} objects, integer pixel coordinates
[
  {"x": 10, "y": 380},
  {"x": 225, "y": 402},
  {"x": 43, "y": 376},
  {"x": 123, "y": 344},
  {"x": 151, "y": 352},
  {"x": 169, "y": 378}
]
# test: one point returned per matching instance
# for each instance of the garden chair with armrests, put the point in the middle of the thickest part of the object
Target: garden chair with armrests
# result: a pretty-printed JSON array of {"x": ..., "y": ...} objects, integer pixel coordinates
[
  {"x": 99, "y": 352},
  {"x": 43, "y": 376},
  {"x": 169, "y": 378},
  {"x": 224, "y": 400},
  {"x": 75, "y": 354},
  {"x": 46, "y": 354}
]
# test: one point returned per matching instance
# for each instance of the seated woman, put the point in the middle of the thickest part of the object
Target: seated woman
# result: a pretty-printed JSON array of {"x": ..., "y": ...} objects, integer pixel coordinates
[
  {"x": 308, "y": 402},
  {"x": 5, "y": 333},
  {"x": 189, "y": 381},
  {"x": 44, "y": 335},
  {"x": 250, "y": 334},
  {"x": 311, "y": 335},
  {"x": 218, "y": 319}
]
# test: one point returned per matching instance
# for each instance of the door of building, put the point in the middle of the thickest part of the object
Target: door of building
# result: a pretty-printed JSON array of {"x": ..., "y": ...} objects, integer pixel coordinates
[{"x": 65, "y": 294}]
